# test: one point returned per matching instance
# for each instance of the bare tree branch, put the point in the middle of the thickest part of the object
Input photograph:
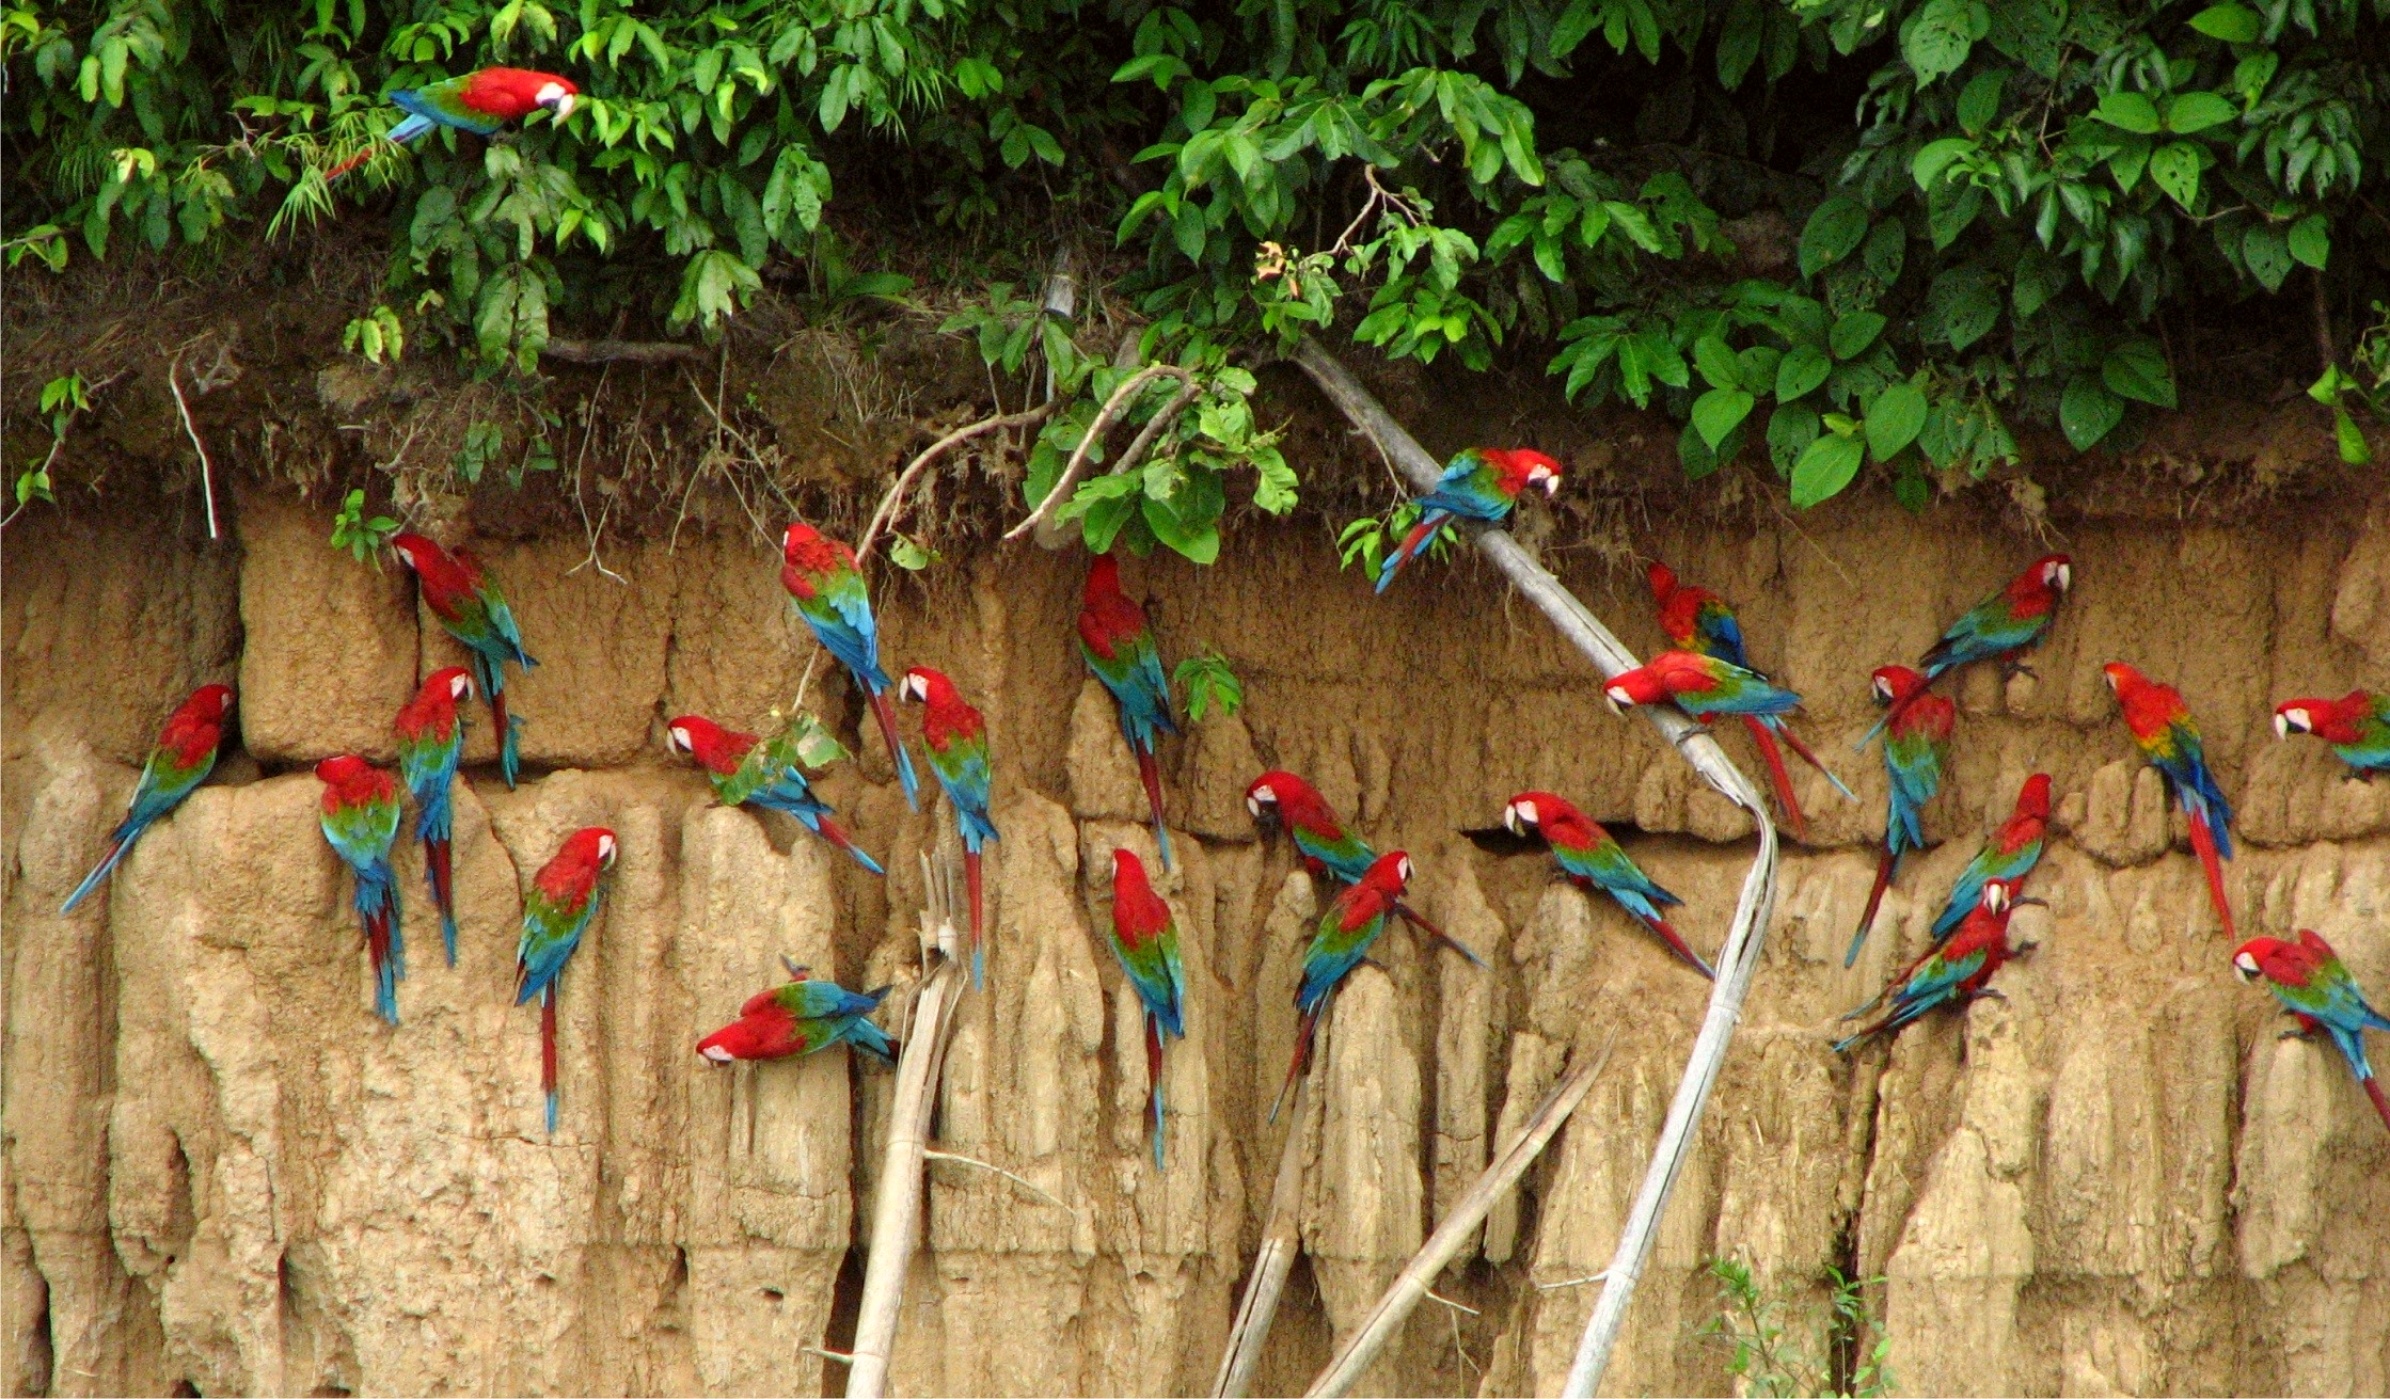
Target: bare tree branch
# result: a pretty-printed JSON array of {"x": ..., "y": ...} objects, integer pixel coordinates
[
  {"x": 1114, "y": 406},
  {"x": 622, "y": 351},
  {"x": 886, "y": 514}
]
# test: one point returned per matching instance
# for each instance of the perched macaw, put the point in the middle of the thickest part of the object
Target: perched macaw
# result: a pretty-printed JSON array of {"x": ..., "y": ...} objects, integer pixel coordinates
[
  {"x": 803, "y": 1016},
  {"x": 2010, "y": 855},
  {"x": 2162, "y": 725},
  {"x": 1279, "y": 799},
  {"x": 1119, "y": 646},
  {"x": 957, "y": 739},
  {"x": 1705, "y": 687},
  {"x": 1916, "y": 746},
  {"x": 472, "y": 610},
  {"x": 1145, "y": 939},
  {"x": 740, "y": 777},
  {"x": 2308, "y": 978},
  {"x": 480, "y": 102},
  {"x": 1592, "y": 860},
  {"x": 563, "y": 898},
  {"x": 1698, "y": 620},
  {"x": 1482, "y": 483},
  {"x": 360, "y": 819},
  {"x": 431, "y": 740},
  {"x": 823, "y": 580},
  {"x": 1955, "y": 972},
  {"x": 2010, "y": 621},
  {"x": 185, "y": 754},
  {"x": 2357, "y": 725},
  {"x": 1343, "y": 937}
]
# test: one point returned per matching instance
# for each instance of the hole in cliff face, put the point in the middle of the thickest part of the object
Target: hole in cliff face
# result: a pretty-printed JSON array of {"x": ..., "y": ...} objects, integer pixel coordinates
[
  {"x": 846, "y": 1305},
  {"x": 182, "y": 1218},
  {"x": 184, "y": 1389}
]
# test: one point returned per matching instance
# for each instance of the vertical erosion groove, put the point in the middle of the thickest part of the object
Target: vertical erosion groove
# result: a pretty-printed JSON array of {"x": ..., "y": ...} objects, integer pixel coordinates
[{"x": 1738, "y": 961}]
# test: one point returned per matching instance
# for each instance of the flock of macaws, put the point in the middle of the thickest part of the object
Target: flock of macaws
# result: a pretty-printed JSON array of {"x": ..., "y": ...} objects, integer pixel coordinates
[{"x": 1707, "y": 675}]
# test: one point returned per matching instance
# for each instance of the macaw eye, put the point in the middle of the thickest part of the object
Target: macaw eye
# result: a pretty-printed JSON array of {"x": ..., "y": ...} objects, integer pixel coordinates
[
  {"x": 1883, "y": 690},
  {"x": 1403, "y": 867}
]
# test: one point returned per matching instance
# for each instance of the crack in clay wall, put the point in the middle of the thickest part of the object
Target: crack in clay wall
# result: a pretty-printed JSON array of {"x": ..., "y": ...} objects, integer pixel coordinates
[{"x": 222, "y": 1174}]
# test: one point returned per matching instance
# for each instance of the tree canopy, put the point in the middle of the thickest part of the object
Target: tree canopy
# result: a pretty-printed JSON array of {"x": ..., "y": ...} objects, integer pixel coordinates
[{"x": 1840, "y": 236}]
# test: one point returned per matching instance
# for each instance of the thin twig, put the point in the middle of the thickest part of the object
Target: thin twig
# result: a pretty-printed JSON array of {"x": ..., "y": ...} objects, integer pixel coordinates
[
  {"x": 1458, "y": 1230},
  {"x": 932, "y": 1154},
  {"x": 1746, "y": 936},
  {"x": 839, "y": 1356},
  {"x": 207, "y": 473},
  {"x": 1572, "y": 1282},
  {"x": 886, "y": 514},
  {"x": 1121, "y": 398},
  {"x": 622, "y": 351}
]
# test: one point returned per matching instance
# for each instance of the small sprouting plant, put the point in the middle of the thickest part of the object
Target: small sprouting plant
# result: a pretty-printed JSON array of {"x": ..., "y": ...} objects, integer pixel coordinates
[
  {"x": 1370, "y": 538},
  {"x": 1210, "y": 685},
  {"x": 362, "y": 537},
  {"x": 911, "y": 554},
  {"x": 1779, "y": 1349},
  {"x": 61, "y": 399},
  {"x": 2364, "y": 385},
  {"x": 375, "y": 337}
]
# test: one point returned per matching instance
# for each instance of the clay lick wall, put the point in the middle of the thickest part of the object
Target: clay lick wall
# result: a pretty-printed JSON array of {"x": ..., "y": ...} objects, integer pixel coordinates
[{"x": 223, "y": 1174}]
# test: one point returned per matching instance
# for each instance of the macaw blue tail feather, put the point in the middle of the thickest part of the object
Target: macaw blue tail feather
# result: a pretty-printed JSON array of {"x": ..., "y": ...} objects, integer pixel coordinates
[{"x": 123, "y": 844}]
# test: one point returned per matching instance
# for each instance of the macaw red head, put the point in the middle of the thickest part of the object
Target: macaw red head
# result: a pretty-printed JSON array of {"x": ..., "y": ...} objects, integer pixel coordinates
[
  {"x": 1998, "y": 895},
  {"x": 209, "y": 702},
  {"x": 1103, "y": 580},
  {"x": 921, "y": 685},
  {"x": 341, "y": 770},
  {"x": 1526, "y": 813},
  {"x": 1388, "y": 876},
  {"x": 2124, "y": 679},
  {"x": 762, "y": 1031},
  {"x": 1279, "y": 797},
  {"x": 556, "y": 94},
  {"x": 1641, "y": 685},
  {"x": 453, "y": 681},
  {"x": 1894, "y": 684},
  {"x": 1663, "y": 582},
  {"x": 2033, "y": 799},
  {"x": 1524, "y": 468},
  {"x": 2284, "y": 963},
  {"x": 591, "y": 847},
  {"x": 417, "y": 552},
  {"x": 351, "y": 781},
  {"x": 2333, "y": 720},
  {"x": 2052, "y": 573},
  {"x": 712, "y": 745}
]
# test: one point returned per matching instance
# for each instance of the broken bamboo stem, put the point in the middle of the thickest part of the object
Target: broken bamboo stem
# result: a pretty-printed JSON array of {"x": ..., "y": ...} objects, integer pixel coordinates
[
  {"x": 1281, "y": 1240},
  {"x": 896, "y": 1212},
  {"x": 1745, "y": 936},
  {"x": 1453, "y": 1236}
]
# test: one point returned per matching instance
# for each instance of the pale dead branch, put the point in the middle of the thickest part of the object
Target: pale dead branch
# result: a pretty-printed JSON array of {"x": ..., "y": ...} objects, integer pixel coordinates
[
  {"x": 1113, "y": 407},
  {"x": 1281, "y": 1240},
  {"x": 893, "y": 501}
]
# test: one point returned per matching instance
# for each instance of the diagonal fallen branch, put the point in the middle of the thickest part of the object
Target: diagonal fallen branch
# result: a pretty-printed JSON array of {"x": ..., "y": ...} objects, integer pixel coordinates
[
  {"x": 896, "y": 1213},
  {"x": 1737, "y": 961},
  {"x": 1412, "y": 1285},
  {"x": 1281, "y": 1240}
]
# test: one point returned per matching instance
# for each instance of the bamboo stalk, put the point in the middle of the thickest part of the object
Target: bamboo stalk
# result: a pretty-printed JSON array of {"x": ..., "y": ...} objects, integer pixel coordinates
[
  {"x": 1281, "y": 1241},
  {"x": 1452, "y": 1237},
  {"x": 896, "y": 1212},
  {"x": 1745, "y": 937}
]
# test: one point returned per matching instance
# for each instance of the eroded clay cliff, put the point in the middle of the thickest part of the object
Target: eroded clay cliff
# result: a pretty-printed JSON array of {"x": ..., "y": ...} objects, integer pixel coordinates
[{"x": 223, "y": 1173}]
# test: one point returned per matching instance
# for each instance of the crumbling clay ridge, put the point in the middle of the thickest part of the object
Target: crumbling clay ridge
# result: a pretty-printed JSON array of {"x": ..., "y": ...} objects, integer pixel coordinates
[{"x": 222, "y": 1175}]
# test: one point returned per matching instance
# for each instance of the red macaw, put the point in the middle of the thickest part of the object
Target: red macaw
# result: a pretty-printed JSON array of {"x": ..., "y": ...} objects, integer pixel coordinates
[
  {"x": 799, "y": 1018},
  {"x": 1593, "y": 860},
  {"x": 741, "y": 776},
  {"x": 957, "y": 739},
  {"x": 564, "y": 897},
  {"x": 1698, "y": 620},
  {"x": 1916, "y": 746},
  {"x": 2162, "y": 726},
  {"x": 431, "y": 741},
  {"x": 1481, "y": 483},
  {"x": 1280, "y": 799},
  {"x": 1343, "y": 938},
  {"x": 2007, "y": 623},
  {"x": 479, "y": 102},
  {"x": 472, "y": 610},
  {"x": 185, "y": 754},
  {"x": 2311, "y": 982},
  {"x": 361, "y": 810},
  {"x": 826, "y": 584},
  {"x": 1119, "y": 646},
  {"x": 1145, "y": 939},
  {"x": 2357, "y": 725},
  {"x": 1952, "y": 973}
]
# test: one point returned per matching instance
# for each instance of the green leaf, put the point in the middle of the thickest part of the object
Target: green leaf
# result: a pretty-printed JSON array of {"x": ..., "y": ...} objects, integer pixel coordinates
[
  {"x": 1719, "y": 412},
  {"x": 1887, "y": 249},
  {"x": 2266, "y": 253},
  {"x": 1913, "y": 492},
  {"x": 2353, "y": 448},
  {"x": 1936, "y": 158},
  {"x": 2175, "y": 168},
  {"x": 1961, "y": 307},
  {"x": 1825, "y": 469},
  {"x": 2129, "y": 111},
  {"x": 1791, "y": 428},
  {"x": 2087, "y": 412},
  {"x": 2311, "y": 241},
  {"x": 1834, "y": 229},
  {"x": 1894, "y": 420},
  {"x": 1803, "y": 368},
  {"x": 1717, "y": 362},
  {"x": 1199, "y": 543},
  {"x": 1854, "y": 333},
  {"x": 2137, "y": 369},
  {"x": 2039, "y": 277},
  {"x": 1979, "y": 103},
  {"x": 2233, "y": 24},
  {"x": 2197, "y": 111},
  {"x": 1936, "y": 39}
]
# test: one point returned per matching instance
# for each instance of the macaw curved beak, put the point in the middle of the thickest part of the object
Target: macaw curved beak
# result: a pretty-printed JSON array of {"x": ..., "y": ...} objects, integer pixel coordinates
[
  {"x": 2245, "y": 967},
  {"x": 2291, "y": 721},
  {"x": 2065, "y": 578},
  {"x": 715, "y": 1055},
  {"x": 1619, "y": 703},
  {"x": 1551, "y": 485}
]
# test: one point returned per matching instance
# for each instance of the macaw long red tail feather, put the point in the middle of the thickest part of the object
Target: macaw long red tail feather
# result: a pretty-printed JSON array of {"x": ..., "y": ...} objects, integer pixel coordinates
[
  {"x": 978, "y": 954},
  {"x": 1875, "y": 899},
  {"x": 1438, "y": 936},
  {"x": 547, "y": 1051},
  {"x": 1302, "y": 1058},
  {"x": 1680, "y": 947},
  {"x": 886, "y": 713},
  {"x": 1153, "y": 1081},
  {"x": 1410, "y": 547},
  {"x": 834, "y": 833},
  {"x": 385, "y": 971},
  {"x": 436, "y": 865},
  {"x": 351, "y": 163},
  {"x": 1793, "y": 741},
  {"x": 1773, "y": 756},
  {"x": 2381, "y": 1104},
  {"x": 1151, "y": 775},
  {"x": 98, "y": 873},
  {"x": 2203, "y": 840}
]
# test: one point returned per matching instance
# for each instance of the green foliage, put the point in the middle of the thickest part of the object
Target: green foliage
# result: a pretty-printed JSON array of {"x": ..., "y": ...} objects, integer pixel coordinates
[
  {"x": 2030, "y": 201},
  {"x": 62, "y": 400},
  {"x": 2362, "y": 388},
  {"x": 1778, "y": 1348},
  {"x": 1369, "y": 539},
  {"x": 1209, "y": 684},
  {"x": 371, "y": 337},
  {"x": 362, "y": 537}
]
